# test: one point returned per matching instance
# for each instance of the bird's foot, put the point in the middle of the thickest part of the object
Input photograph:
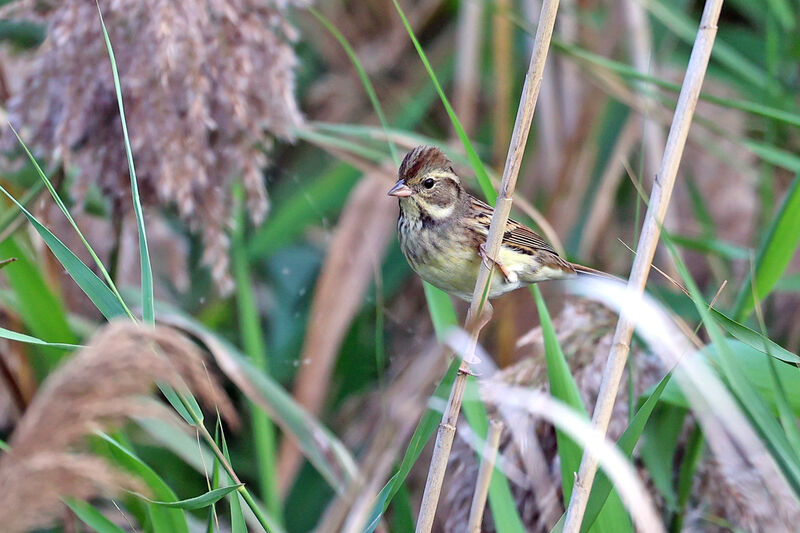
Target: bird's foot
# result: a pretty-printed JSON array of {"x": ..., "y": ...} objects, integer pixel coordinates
[{"x": 511, "y": 277}]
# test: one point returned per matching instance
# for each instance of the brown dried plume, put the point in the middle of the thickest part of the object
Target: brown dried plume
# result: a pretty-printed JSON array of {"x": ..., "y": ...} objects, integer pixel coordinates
[
  {"x": 99, "y": 387},
  {"x": 208, "y": 85}
]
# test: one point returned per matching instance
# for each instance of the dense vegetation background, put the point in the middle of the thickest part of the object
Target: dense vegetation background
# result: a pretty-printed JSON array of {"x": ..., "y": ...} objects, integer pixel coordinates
[{"x": 261, "y": 137}]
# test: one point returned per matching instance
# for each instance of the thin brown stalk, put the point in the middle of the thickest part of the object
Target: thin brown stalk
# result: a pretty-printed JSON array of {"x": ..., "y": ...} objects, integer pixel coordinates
[
  {"x": 502, "y": 59},
  {"x": 519, "y": 138},
  {"x": 659, "y": 202},
  {"x": 550, "y": 134},
  {"x": 484, "y": 476},
  {"x": 468, "y": 52},
  {"x": 597, "y": 222},
  {"x": 359, "y": 243}
]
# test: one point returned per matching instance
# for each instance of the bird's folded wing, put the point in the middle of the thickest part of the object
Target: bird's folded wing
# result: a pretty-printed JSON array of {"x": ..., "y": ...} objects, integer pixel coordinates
[{"x": 516, "y": 234}]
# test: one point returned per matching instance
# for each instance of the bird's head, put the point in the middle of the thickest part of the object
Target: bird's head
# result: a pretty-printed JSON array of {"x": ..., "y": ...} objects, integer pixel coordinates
[{"x": 429, "y": 183}]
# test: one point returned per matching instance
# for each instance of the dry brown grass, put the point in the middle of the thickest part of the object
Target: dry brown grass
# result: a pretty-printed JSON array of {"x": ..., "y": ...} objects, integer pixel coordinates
[{"x": 98, "y": 388}]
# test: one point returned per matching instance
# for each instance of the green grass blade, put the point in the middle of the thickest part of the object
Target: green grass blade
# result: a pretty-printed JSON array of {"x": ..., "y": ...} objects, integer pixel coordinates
[
  {"x": 322, "y": 448},
  {"x": 611, "y": 516},
  {"x": 164, "y": 519},
  {"x": 562, "y": 387},
  {"x": 440, "y": 307},
  {"x": 686, "y": 476},
  {"x": 422, "y": 434},
  {"x": 256, "y": 349},
  {"x": 477, "y": 164},
  {"x": 21, "y": 337},
  {"x": 92, "y": 517},
  {"x": 148, "y": 313},
  {"x": 775, "y": 254},
  {"x": 198, "y": 502},
  {"x": 753, "y": 338},
  {"x": 238, "y": 524},
  {"x": 602, "y": 486},
  {"x": 763, "y": 421},
  {"x": 97, "y": 291},
  {"x": 362, "y": 74},
  {"x": 57, "y": 198}
]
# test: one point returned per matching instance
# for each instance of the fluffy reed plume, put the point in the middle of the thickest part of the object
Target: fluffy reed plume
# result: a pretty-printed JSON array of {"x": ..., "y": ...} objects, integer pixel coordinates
[
  {"x": 208, "y": 85},
  {"x": 98, "y": 388}
]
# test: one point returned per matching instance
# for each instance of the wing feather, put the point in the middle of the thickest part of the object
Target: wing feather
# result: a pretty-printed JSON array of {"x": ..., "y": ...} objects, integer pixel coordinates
[{"x": 516, "y": 234}]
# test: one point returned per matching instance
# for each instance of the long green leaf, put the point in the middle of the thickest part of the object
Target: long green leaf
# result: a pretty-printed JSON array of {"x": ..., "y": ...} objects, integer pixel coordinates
[
  {"x": 612, "y": 517},
  {"x": 57, "y": 198},
  {"x": 198, "y": 502},
  {"x": 477, "y": 165},
  {"x": 92, "y": 517},
  {"x": 602, "y": 486},
  {"x": 775, "y": 254},
  {"x": 422, "y": 434},
  {"x": 164, "y": 519},
  {"x": 753, "y": 338},
  {"x": 362, "y": 74},
  {"x": 751, "y": 401},
  {"x": 256, "y": 349},
  {"x": 97, "y": 291},
  {"x": 148, "y": 313},
  {"x": 21, "y": 337}
]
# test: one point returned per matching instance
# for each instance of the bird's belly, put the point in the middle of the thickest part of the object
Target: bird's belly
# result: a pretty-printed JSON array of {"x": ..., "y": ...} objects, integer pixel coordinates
[{"x": 455, "y": 270}]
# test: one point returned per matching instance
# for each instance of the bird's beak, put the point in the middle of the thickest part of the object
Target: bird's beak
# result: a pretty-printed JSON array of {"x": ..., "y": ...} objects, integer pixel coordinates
[{"x": 400, "y": 189}]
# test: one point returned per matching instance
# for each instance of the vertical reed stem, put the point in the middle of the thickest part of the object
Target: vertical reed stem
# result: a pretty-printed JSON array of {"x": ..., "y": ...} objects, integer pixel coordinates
[
  {"x": 519, "y": 138},
  {"x": 659, "y": 201},
  {"x": 488, "y": 457}
]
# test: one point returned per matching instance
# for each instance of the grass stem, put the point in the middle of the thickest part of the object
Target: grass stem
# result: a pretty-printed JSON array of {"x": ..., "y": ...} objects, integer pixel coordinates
[
  {"x": 488, "y": 457},
  {"x": 659, "y": 202},
  {"x": 519, "y": 139}
]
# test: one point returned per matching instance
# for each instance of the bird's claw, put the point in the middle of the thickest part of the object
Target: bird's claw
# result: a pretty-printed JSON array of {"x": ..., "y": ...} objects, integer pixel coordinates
[{"x": 489, "y": 262}]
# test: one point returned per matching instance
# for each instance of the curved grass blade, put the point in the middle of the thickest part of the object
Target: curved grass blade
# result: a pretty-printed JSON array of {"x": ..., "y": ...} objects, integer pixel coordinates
[
  {"x": 57, "y": 198},
  {"x": 753, "y": 338},
  {"x": 611, "y": 514},
  {"x": 422, "y": 434},
  {"x": 21, "y": 337},
  {"x": 92, "y": 517},
  {"x": 477, "y": 164},
  {"x": 775, "y": 254},
  {"x": 148, "y": 313},
  {"x": 198, "y": 502},
  {"x": 323, "y": 449},
  {"x": 164, "y": 519},
  {"x": 97, "y": 291},
  {"x": 373, "y": 97}
]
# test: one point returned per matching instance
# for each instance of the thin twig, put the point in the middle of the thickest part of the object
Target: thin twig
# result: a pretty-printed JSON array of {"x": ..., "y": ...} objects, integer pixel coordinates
[
  {"x": 519, "y": 138},
  {"x": 468, "y": 54},
  {"x": 484, "y": 476},
  {"x": 659, "y": 201}
]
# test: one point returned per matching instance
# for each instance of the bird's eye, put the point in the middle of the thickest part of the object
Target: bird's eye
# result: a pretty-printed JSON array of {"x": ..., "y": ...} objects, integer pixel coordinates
[{"x": 428, "y": 183}]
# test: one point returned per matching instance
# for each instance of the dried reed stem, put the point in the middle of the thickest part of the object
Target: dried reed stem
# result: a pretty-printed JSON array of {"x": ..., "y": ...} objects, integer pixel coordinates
[
  {"x": 484, "y": 476},
  {"x": 659, "y": 201},
  {"x": 519, "y": 138},
  {"x": 468, "y": 58}
]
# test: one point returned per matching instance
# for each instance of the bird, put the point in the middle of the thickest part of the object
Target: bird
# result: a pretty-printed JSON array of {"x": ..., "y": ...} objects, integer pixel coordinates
[{"x": 442, "y": 231}]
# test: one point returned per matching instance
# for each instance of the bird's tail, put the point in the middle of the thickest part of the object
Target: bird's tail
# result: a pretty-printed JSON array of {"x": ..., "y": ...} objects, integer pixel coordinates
[{"x": 580, "y": 269}]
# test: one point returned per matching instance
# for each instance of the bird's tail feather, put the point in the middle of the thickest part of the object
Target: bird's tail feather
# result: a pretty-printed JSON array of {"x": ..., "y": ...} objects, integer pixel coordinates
[{"x": 580, "y": 269}]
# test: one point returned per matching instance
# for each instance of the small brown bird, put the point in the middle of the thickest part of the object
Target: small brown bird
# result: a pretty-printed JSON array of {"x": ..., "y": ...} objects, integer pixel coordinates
[{"x": 443, "y": 229}]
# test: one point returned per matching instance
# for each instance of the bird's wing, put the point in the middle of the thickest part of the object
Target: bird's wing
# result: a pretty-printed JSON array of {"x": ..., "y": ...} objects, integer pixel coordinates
[{"x": 516, "y": 234}]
